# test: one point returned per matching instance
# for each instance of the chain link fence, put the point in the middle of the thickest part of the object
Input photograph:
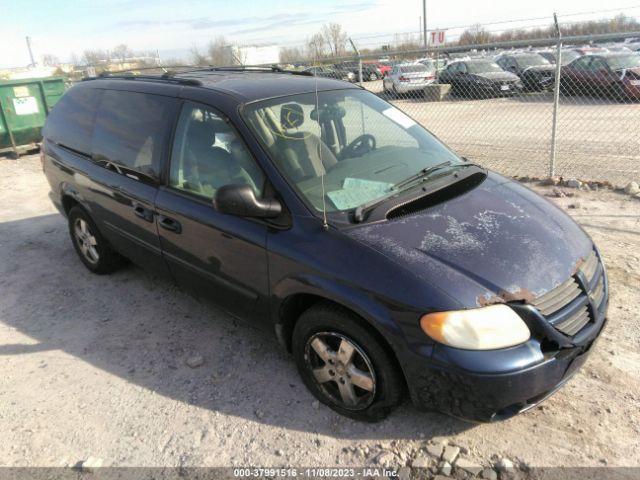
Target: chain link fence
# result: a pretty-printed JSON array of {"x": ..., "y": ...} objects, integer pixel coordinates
[{"x": 567, "y": 107}]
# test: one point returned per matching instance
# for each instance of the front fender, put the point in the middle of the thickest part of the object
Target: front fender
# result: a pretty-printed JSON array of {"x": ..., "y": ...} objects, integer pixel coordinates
[{"x": 372, "y": 310}]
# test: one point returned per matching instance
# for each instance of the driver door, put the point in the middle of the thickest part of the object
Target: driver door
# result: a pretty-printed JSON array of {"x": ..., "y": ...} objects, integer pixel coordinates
[{"x": 219, "y": 257}]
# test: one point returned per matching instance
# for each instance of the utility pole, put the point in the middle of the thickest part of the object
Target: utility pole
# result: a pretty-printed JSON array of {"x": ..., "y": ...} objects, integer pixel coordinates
[
  {"x": 424, "y": 23},
  {"x": 33, "y": 62}
]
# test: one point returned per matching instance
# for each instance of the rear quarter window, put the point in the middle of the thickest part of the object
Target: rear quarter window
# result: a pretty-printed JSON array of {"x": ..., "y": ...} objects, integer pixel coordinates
[
  {"x": 131, "y": 130},
  {"x": 70, "y": 123}
]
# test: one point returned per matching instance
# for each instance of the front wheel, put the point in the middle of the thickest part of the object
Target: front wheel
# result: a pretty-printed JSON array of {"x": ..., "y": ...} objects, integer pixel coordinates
[{"x": 344, "y": 365}]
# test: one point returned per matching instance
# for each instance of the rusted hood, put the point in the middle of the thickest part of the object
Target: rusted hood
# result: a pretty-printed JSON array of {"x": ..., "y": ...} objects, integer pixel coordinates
[{"x": 498, "y": 242}]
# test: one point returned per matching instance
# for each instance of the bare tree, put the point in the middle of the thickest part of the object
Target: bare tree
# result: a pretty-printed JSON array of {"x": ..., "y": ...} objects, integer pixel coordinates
[
  {"x": 221, "y": 53},
  {"x": 49, "y": 60},
  {"x": 475, "y": 35},
  {"x": 94, "y": 57},
  {"x": 197, "y": 58},
  {"x": 316, "y": 46},
  {"x": 291, "y": 54},
  {"x": 121, "y": 52},
  {"x": 335, "y": 37}
]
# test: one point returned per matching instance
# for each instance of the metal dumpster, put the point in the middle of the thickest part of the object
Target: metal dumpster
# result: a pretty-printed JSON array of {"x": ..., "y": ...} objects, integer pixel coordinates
[{"x": 24, "y": 105}]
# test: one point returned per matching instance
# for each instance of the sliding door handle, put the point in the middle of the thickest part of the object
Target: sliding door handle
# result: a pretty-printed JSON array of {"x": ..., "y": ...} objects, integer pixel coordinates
[
  {"x": 143, "y": 212},
  {"x": 170, "y": 224}
]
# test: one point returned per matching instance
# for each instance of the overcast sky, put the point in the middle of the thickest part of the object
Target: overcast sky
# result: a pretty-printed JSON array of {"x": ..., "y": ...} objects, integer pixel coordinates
[{"x": 62, "y": 27}]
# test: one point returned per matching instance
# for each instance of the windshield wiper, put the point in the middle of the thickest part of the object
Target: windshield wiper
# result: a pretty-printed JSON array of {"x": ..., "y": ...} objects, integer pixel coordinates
[
  {"x": 360, "y": 211},
  {"x": 421, "y": 174},
  {"x": 427, "y": 173}
]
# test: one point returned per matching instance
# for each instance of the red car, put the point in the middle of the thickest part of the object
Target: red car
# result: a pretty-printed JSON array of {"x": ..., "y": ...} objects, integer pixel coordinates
[
  {"x": 610, "y": 74},
  {"x": 384, "y": 68}
]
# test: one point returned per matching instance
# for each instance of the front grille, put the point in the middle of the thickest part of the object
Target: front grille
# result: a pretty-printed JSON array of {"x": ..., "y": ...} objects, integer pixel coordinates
[
  {"x": 559, "y": 297},
  {"x": 567, "y": 306},
  {"x": 574, "y": 323},
  {"x": 589, "y": 266}
]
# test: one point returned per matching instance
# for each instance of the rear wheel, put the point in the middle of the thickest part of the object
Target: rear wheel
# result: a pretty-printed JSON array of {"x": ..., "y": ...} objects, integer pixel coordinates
[
  {"x": 93, "y": 250},
  {"x": 344, "y": 365}
]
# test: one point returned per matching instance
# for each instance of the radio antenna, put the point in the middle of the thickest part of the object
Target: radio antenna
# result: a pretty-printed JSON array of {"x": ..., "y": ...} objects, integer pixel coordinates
[{"x": 325, "y": 224}]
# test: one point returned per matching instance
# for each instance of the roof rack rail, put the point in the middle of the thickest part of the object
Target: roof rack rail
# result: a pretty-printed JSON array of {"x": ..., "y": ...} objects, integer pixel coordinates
[
  {"x": 157, "y": 78},
  {"x": 271, "y": 69}
]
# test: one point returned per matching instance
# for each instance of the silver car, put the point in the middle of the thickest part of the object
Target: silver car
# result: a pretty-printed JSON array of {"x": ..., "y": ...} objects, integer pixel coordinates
[{"x": 408, "y": 77}]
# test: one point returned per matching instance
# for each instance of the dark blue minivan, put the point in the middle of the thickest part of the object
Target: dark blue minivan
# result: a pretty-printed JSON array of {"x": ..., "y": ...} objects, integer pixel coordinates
[{"x": 388, "y": 265}]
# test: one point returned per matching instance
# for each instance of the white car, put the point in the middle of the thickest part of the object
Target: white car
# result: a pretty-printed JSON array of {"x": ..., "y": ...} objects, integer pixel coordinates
[{"x": 408, "y": 77}]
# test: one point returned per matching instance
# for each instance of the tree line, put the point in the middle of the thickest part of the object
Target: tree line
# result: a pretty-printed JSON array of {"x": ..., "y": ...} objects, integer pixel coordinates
[{"x": 477, "y": 34}]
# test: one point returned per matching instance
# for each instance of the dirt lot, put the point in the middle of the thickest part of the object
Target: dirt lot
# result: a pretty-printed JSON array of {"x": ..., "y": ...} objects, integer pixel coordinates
[
  {"x": 596, "y": 138},
  {"x": 96, "y": 366}
]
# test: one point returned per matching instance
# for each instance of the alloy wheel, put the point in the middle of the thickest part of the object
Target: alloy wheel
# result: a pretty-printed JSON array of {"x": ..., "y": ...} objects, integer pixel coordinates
[
  {"x": 86, "y": 241},
  {"x": 341, "y": 369}
]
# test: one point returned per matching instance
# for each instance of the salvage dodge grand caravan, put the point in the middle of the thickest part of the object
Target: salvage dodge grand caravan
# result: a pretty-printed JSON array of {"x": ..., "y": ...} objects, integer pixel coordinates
[{"x": 384, "y": 262}]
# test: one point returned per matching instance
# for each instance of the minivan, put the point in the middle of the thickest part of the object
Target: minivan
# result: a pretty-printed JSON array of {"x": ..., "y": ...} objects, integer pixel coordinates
[{"x": 389, "y": 266}]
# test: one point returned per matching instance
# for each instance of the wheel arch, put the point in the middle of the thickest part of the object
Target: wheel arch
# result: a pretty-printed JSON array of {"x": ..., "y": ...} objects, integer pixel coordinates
[
  {"x": 70, "y": 197},
  {"x": 369, "y": 313}
]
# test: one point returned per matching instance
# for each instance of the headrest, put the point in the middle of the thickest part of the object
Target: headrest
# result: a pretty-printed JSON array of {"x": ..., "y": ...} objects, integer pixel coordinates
[
  {"x": 328, "y": 112},
  {"x": 291, "y": 115}
]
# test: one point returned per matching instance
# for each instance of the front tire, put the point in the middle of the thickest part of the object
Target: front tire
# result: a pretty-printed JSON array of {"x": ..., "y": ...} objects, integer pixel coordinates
[
  {"x": 94, "y": 251},
  {"x": 344, "y": 365}
]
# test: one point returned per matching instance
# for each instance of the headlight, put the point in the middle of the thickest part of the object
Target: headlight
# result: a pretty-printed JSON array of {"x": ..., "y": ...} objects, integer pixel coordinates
[{"x": 487, "y": 328}]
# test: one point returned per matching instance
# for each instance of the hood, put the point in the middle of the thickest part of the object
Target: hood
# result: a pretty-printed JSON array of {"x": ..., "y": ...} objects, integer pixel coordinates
[
  {"x": 496, "y": 243},
  {"x": 497, "y": 76}
]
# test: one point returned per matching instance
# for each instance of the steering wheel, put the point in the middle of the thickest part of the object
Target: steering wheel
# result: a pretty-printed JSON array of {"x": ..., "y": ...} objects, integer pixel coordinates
[{"x": 360, "y": 146}]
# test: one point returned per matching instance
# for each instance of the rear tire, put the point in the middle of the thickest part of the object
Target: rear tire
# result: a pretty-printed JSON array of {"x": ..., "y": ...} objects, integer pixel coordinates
[
  {"x": 93, "y": 249},
  {"x": 355, "y": 376}
]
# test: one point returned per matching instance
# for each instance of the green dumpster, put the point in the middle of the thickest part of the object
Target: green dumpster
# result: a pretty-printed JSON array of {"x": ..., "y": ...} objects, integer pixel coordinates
[{"x": 24, "y": 105}]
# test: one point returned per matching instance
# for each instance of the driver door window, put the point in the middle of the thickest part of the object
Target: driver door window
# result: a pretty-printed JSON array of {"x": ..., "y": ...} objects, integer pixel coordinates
[{"x": 208, "y": 154}]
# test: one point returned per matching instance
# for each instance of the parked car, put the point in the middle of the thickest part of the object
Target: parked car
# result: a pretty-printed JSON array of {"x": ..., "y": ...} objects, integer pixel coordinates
[
  {"x": 590, "y": 50},
  {"x": 431, "y": 64},
  {"x": 383, "y": 261},
  {"x": 408, "y": 77},
  {"x": 370, "y": 71},
  {"x": 611, "y": 74},
  {"x": 567, "y": 55},
  {"x": 384, "y": 67},
  {"x": 535, "y": 71},
  {"x": 328, "y": 72},
  {"x": 479, "y": 78}
]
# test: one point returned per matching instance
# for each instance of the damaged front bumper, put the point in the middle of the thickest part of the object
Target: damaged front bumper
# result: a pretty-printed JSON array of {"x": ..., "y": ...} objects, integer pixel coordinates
[{"x": 492, "y": 385}]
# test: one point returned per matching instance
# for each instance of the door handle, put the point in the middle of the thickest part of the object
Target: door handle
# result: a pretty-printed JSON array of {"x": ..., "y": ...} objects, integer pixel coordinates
[
  {"x": 143, "y": 212},
  {"x": 170, "y": 224}
]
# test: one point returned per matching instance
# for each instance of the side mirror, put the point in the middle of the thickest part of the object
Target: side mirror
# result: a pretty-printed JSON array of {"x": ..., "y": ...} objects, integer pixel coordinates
[{"x": 240, "y": 200}]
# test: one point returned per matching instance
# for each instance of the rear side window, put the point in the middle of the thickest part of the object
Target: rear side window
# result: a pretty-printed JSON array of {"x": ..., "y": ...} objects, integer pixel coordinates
[
  {"x": 131, "y": 130},
  {"x": 70, "y": 123}
]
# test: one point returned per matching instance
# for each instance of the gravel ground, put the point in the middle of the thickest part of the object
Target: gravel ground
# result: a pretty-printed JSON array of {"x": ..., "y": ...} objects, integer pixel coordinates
[
  {"x": 96, "y": 366},
  {"x": 597, "y": 139}
]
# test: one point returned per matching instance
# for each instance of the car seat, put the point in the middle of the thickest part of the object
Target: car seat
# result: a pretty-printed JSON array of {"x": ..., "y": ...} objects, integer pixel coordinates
[
  {"x": 208, "y": 167},
  {"x": 304, "y": 154}
]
